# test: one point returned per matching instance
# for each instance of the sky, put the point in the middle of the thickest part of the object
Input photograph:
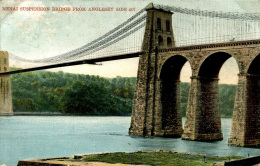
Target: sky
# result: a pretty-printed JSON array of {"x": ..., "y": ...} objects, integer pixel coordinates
[{"x": 41, "y": 34}]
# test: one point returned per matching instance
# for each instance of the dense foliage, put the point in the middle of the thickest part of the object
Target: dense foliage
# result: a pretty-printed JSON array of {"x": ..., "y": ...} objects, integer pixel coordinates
[{"x": 43, "y": 91}]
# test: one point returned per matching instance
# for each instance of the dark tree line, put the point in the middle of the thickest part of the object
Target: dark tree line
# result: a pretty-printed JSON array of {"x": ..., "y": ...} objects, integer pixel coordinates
[{"x": 43, "y": 91}]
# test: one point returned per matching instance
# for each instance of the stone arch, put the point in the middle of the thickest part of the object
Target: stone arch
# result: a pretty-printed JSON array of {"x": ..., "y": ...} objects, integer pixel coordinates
[
  {"x": 173, "y": 65},
  {"x": 170, "y": 96},
  {"x": 159, "y": 24},
  {"x": 208, "y": 123},
  {"x": 160, "y": 40},
  {"x": 254, "y": 66},
  {"x": 211, "y": 66}
]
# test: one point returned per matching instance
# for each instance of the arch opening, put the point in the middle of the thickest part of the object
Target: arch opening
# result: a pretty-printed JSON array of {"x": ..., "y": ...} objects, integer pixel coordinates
[
  {"x": 212, "y": 65},
  {"x": 210, "y": 99},
  {"x": 160, "y": 40},
  {"x": 228, "y": 79},
  {"x": 170, "y": 95},
  {"x": 254, "y": 66},
  {"x": 169, "y": 42}
]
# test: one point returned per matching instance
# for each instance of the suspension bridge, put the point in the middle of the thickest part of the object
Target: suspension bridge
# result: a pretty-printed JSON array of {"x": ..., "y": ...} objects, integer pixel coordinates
[
  {"x": 125, "y": 41},
  {"x": 165, "y": 38}
]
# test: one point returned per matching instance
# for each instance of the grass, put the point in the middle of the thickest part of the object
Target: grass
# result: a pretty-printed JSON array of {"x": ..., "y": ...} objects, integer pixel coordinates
[{"x": 159, "y": 158}]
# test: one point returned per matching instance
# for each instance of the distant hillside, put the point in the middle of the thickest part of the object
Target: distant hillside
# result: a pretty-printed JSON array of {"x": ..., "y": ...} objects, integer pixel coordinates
[{"x": 43, "y": 91}]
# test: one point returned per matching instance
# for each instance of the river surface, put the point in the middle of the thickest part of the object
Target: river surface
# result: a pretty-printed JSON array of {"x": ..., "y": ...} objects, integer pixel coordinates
[{"x": 29, "y": 137}]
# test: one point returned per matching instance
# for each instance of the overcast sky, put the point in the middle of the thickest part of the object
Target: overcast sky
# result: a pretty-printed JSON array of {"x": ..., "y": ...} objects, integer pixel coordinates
[{"x": 35, "y": 35}]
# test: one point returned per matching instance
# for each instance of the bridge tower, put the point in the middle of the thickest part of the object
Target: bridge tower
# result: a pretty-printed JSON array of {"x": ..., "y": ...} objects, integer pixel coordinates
[
  {"x": 157, "y": 105},
  {"x": 148, "y": 118},
  {"x": 5, "y": 86}
]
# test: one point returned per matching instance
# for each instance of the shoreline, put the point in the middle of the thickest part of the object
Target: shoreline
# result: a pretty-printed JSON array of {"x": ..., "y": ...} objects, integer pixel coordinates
[
  {"x": 37, "y": 114},
  {"x": 54, "y": 114},
  {"x": 144, "y": 158},
  {"x": 60, "y": 114}
]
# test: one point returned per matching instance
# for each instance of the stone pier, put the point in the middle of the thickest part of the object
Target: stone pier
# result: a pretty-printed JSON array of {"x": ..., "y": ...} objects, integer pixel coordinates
[
  {"x": 245, "y": 130},
  {"x": 203, "y": 121}
]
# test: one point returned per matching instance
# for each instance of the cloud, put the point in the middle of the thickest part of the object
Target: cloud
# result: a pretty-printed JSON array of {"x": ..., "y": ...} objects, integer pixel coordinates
[
  {"x": 50, "y": 32},
  {"x": 10, "y": 3},
  {"x": 68, "y": 26},
  {"x": 22, "y": 26},
  {"x": 34, "y": 15},
  {"x": 22, "y": 15}
]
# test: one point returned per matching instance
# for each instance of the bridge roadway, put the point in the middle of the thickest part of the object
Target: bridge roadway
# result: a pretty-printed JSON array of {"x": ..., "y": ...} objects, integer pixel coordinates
[
  {"x": 79, "y": 62},
  {"x": 132, "y": 55}
]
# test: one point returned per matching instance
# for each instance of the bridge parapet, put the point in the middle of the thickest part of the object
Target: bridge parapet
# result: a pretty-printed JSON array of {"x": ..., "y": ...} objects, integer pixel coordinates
[{"x": 216, "y": 45}]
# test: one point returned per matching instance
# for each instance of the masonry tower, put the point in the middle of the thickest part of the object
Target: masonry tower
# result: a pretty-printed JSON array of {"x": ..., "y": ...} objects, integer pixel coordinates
[
  {"x": 5, "y": 86},
  {"x": 153, "y": 112}
]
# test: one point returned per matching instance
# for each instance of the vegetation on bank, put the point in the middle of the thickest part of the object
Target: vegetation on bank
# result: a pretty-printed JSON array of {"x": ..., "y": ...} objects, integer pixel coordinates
[
  {"x": 43, "y": 91},
  {"x": 159, "y": 158}
]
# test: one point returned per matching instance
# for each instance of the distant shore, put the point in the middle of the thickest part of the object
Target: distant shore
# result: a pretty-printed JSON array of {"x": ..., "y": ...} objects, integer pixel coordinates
[
  {"x": 38, "y": 114},
  {"x": 54, "y": 114},
  {"x": 63, "y": 114}
]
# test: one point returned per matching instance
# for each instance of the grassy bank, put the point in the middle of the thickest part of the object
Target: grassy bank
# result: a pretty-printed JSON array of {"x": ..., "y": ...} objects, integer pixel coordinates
[{"x": 159, "y": 158}]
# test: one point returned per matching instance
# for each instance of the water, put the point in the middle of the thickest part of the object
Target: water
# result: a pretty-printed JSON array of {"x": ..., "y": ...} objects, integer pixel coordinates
[{"x": 29, "y": 137}]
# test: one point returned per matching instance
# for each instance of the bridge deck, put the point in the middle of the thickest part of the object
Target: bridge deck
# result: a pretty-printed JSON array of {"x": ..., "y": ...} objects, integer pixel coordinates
[
  {"x": 79, "y": 62},
  {"x": 132, "y": 55}
]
